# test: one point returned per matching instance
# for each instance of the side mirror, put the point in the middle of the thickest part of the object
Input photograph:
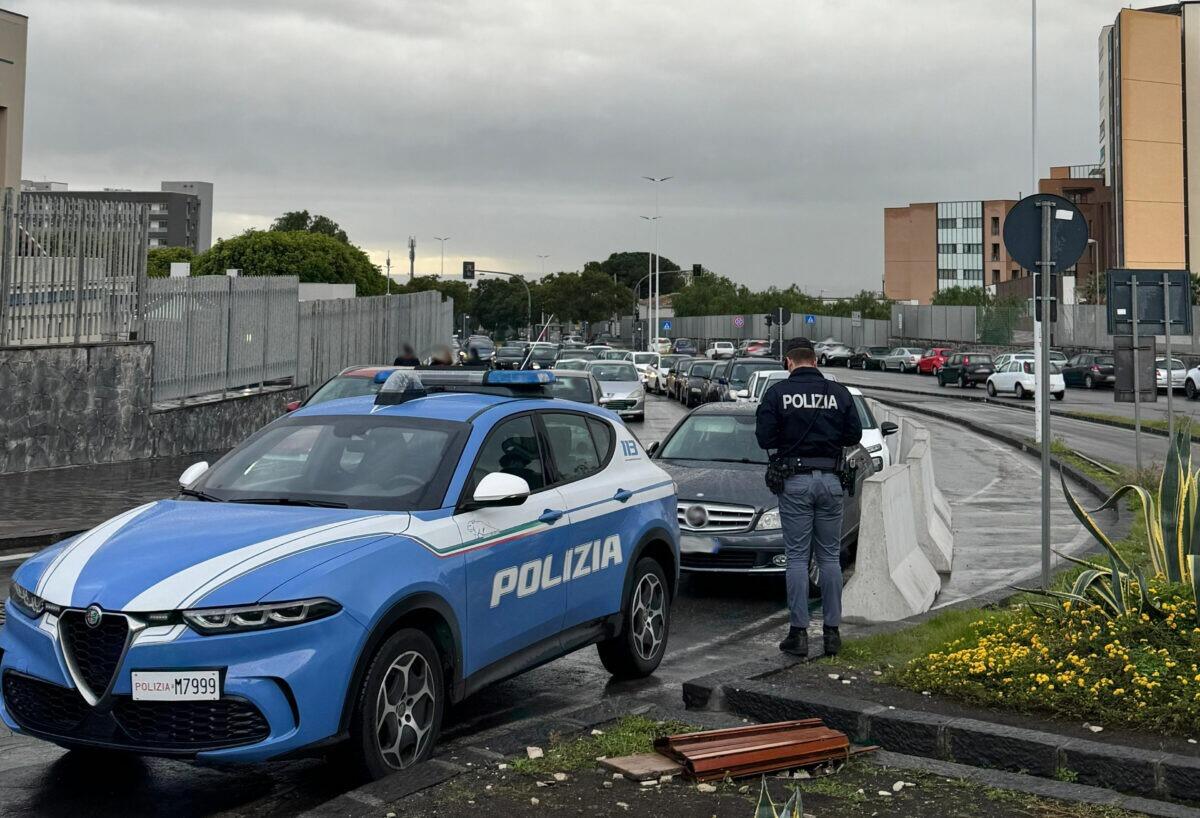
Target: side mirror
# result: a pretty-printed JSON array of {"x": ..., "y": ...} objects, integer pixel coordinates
[
  {"x": 888, "y": 428},
  {"x": 292, "y": 405},
  {"x": 501, "y": 489},
  {"x": 193, "y": 473},
  {"x": 743, "y": 393},
  {"x": 653, "y": 448}
]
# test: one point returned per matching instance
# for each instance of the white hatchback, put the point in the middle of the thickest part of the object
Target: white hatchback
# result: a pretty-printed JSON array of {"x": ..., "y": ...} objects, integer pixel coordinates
[{"x": 1019, "y": 378}]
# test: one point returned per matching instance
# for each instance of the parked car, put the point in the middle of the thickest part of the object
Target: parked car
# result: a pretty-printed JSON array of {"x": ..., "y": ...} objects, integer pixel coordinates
[
  {"x": 615, "y": 355},
  {"x": 1191, "y": 384},
  {"x": 697, "y": 382},
  {"x": 678, "y": 376},
  {"x": 821, "y": 346},
  {"x": 578, "y": 385},
  {"x": 658, "y": 382},
  {"x": 835, "y": 354},
  {"x": 1005, "y": 357},
  {"x": 510, "y": 356},
  {"x": 966, "y": 369},
  {"x": 754, "y": 349},
  {"x": 933, "y": 360},
  {"x": 622, "y": 389},
  {"x": 731, "y": 378},
  {"x": 576, "y": 354},
  {"x": 760, "y": 382},
  {"x": 1178, "y": 374},
  {"x": 541, "y": 356},
  {"x": 1019, "y": 379},
  {"x": 728, "y": 519},
  {"x": 351, "y": 382},
  {"x": 902, "y": 359},
  {"x": 684, "y": 346},
  {"x": 662, "y": 345},
  {"x": 1090, "y": 370},
  {"x": 644, "y": 363},
  {"x": 571, "y": 364},
  {"x": 1056, "y": 356},
  {"x": 720, "y": 349},
  {"x": 867, "y": 357}
]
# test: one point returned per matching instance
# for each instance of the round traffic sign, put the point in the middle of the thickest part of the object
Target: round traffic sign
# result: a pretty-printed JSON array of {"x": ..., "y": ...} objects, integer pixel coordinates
[
  {"x": 1023, "y": 232},
  {"x": 739, "y": 321},
  {"x": 784, "y": 314}
]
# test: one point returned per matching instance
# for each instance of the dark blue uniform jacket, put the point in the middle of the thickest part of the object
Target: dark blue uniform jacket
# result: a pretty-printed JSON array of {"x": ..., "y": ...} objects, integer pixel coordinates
[{"x": 789, "y": 406}]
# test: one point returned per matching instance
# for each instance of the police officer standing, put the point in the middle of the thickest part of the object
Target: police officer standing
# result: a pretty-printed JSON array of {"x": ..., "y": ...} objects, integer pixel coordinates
[{"x": 808, "y": 420}]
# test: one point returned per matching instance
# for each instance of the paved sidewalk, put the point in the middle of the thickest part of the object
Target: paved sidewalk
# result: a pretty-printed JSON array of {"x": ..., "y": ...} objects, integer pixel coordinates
[{"x": 41, "y": 507}]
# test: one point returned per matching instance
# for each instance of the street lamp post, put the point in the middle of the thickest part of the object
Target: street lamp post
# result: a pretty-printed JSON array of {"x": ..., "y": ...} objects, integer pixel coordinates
[
  {"x": 657, "y": 288},
  {"x": 443, "y": 240},
  {"x": 651, "y": 274},
  {"x": 1095, "y": 271}
]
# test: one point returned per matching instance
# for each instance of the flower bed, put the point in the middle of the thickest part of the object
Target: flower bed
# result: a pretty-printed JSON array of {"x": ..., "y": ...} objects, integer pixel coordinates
[{"x": 1133, "y": 670}]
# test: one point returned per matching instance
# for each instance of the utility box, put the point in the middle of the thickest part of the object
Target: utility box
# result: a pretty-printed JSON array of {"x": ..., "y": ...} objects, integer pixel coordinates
[{"x": 1125, "y": 359}]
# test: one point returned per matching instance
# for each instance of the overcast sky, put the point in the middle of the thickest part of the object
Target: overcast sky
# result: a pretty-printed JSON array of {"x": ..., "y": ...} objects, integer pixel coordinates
[{"x": 519, "y": 127}]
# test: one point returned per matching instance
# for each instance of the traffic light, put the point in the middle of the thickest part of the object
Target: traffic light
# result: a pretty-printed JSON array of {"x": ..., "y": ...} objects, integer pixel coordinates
[
  {"x": 770, "y": 320},
  {"x": 468, "y": 270},
  {"x": 697, "y": 269}
]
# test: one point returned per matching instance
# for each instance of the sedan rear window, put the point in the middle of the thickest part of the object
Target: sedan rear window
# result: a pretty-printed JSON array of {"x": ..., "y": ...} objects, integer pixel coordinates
[
  {"x": 613, "y": 372},
  {"x": 344, "y": 388},
  {"x": 715, "y": 437}
]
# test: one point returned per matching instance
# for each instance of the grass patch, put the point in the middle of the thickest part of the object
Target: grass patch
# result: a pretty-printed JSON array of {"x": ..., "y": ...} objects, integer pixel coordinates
[
  {"x": 629, "y": 735},
  {"x": 1158, "y": 424}
]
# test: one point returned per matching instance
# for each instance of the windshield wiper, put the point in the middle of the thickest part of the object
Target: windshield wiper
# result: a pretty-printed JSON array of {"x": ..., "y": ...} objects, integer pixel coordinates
[
  {"x": 289, "y": 501},
  {"x": 736, "y": 460},
  {"x": 200, "y": 495}
]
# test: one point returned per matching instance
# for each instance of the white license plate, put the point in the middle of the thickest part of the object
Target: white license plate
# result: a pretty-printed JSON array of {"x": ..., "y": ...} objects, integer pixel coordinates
[
  {"x": 176, "y": 685},
  {"x": 691, "y": 544}
]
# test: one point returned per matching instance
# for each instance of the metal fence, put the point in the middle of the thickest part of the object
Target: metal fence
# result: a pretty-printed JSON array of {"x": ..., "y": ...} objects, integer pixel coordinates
[
  {"x": 70, "y": 269},
  {"x": 706, "y": 328},
  {"x": 934, "y": 323},
  {"x": 212, "y": 334},
  {"x": 336, "y": 334}
]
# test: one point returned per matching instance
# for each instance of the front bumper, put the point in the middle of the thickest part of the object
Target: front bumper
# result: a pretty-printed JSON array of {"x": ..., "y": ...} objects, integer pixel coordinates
[
  {"x": 281, "y": 690},
  {"x": 757, "y": 552}
]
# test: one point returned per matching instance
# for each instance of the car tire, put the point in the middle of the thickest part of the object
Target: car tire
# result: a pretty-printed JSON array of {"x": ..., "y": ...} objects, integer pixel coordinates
[
  {"x": 941, "y": 381},
  {"x": 1059, "y": 395},
  {"x": 636, "y": 650},
  {"x": 991, "y": 389},
  {"x": 962, "y": 381},
  {"x": 407, "y": 662},
  {"x": 639, "y": 418},
  {"x": 1189, "y": 389},
  {"x": 1020, "y": 392},
  {"x": 824, "y": 361},
  {"x": 1089, "y": 382}
]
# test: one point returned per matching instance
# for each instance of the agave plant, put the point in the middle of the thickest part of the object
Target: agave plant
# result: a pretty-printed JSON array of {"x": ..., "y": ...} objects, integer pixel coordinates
[
  {"x": 793, "y": 808},
  {"x": 1172, "y": 522}
]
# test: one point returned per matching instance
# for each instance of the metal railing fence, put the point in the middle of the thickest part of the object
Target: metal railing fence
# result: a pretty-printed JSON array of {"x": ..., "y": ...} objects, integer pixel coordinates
[{"x": 71, "y": 270}]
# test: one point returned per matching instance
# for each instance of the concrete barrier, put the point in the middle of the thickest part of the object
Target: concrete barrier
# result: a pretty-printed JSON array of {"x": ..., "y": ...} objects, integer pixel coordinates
[
  {"x": 933, "y": 535},
  {"x": 921, "y": 434},
  {"x": 893, "y": 579}
]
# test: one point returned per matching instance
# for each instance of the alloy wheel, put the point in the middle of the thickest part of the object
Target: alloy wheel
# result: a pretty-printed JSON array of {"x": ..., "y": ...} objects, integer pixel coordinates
[
  {"x": 649, "y": 616},
  {"x": 405, "y": 709}
]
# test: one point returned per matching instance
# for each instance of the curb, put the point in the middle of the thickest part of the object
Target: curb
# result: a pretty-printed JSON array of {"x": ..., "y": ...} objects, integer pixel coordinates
[
  {"x": 35, "y": 542},
  {"x": 977, "y": 743}
]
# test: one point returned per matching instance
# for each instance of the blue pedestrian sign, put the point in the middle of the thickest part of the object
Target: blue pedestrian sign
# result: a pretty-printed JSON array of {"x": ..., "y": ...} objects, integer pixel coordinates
[
  {"x": 810, "y": 319},
  {"x": 666, "y": 325}
]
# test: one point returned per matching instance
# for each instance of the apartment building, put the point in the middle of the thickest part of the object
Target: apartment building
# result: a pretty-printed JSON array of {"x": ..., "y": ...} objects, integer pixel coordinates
[
  {"x": 13, "y": 39},
  {"x": 180, "y": 213}
]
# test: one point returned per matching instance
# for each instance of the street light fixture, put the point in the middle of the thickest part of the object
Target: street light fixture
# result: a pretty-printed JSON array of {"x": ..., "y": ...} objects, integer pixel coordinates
[
  {"x": 656, "y": 313},
  {"x": 443, "y": 240},
  {"x": 650, "y": 266},
  {"x": 542, "y": 262}
]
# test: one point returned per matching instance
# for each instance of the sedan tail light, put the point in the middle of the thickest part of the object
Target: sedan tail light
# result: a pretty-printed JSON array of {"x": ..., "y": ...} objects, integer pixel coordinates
[{"x": 1095, "y": 367}]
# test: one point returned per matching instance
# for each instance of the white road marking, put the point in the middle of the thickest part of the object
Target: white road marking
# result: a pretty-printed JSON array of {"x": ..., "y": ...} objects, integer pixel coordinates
[{"x": 17, "y": 557}]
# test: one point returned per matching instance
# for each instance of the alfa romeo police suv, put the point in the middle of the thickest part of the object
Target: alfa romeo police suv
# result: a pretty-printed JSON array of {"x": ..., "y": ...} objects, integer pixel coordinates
[{"x": 345, "y": 574}]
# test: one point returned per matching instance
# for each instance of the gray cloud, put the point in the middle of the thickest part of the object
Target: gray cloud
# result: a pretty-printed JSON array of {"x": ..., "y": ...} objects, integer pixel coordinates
[{"x": 522, "y": 126}]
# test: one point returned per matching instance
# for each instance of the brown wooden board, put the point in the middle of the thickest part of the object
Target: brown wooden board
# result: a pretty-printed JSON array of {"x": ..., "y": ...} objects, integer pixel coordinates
[{"x": 759, "y": 748}]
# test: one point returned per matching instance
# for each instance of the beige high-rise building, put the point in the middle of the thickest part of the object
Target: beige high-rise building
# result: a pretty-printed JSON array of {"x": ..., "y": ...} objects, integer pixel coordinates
[
  {"x": 1155, "y": 179},
  {"x": 13, "y": 30}
]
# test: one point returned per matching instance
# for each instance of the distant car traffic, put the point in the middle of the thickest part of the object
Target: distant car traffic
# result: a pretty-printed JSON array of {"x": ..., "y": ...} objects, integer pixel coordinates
[
  {"x": 731, "y": 378},
  {"x": 868, "y": 357},
  {"x": 728, "y": 519},
  {"x": 574, "y": 384},
  {"x": 684, "y": 346},
  {"x": 571, "y": 364},
  {"x": 1090, "y": 370},
  {"x": 510, "y": 356},
  {"x": 351, "y": 382},
  {"x": 1019, "y": 379},
  {"x": 645, "y": 363},
  {"x": 541, "y": 356},
  {"x": 657, "y": 380},
  {"x": 661, "y": 345},
  {"x": 720, "y": 349},
  {"x": 933, "y": 360},
  {"x": 754, "y": 349},
  {"x": 622, "y": 389},
  {"x": 902, "y": 359},
  {"x": 576, "y": 354},
  {"x": 836, "y": 354},
  {"x": 678, "y": 376},
  {"x": 1177, "y": 374},
  {"x": 966, "y": 369},
  {"x": 697, "y": 382}
]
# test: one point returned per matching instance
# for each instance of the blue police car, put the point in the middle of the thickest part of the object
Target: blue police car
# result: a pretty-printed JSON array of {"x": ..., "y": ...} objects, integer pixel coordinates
[{"x": 345, "y": 574}]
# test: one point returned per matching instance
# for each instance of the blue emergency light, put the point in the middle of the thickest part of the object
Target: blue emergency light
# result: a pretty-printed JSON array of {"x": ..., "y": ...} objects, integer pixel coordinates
[{"x": 400, "y": 385}]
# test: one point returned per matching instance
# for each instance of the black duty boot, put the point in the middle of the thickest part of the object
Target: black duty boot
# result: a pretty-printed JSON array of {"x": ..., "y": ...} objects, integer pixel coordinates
[
  {"x": 796, "y": 642},
  {"x": 833, "y": 641}
]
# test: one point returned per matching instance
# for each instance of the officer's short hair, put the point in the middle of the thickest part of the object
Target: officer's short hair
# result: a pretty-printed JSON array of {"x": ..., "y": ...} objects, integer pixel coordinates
[{"x": 802, "y": 354}]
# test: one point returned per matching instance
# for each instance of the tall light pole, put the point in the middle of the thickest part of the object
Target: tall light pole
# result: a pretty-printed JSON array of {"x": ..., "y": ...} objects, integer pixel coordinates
[
  {"x": 443, "y": 240},
  {"x": 650, "y": 267},
  {"x": 656, "y": 180},
  {"x": 1095, "y": 271},
  {"x": 542, "y": 262}
]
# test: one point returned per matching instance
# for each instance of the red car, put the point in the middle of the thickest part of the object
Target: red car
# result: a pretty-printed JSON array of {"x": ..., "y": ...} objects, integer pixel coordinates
[{"x": 933, "y": 360}]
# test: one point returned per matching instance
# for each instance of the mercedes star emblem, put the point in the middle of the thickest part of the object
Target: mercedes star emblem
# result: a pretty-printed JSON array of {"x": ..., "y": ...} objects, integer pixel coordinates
[{"x": 696, "y": 516}]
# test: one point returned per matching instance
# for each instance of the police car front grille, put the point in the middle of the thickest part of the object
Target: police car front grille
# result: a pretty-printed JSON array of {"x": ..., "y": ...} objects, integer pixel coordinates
[
  {"x": 97, "y": 651},
  {"x": 227, "y": 722},
  {"x": 718, "y": 517},
  {"x": 38, "y": 705}
]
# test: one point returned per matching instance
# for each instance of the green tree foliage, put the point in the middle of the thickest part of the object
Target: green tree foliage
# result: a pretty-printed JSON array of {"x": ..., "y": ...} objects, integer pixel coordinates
[
  {"x": 587, "y": 296},
  {"x": 629, "y": 269},
  {"x": 500, "y": 305},
  {"x": 712, "y": 294},
  {"x": 313, "y": 257},
  {"x": 159, "y": 260},
  {"x": 448, "y": 287},
  {"x": 300, "y": 221},
  {"x": 961, "y": 297}
]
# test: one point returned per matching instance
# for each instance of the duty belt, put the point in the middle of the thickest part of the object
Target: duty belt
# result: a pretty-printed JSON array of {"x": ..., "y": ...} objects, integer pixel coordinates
[{"x": 799, "y": 465}]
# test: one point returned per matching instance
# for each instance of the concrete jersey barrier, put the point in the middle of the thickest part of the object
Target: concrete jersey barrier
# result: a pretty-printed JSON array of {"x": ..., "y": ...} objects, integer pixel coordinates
[{"x": 933, "y": 534}]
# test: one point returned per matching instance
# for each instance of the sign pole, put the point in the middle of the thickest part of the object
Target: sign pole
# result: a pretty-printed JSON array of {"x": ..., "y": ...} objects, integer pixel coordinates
[
  {"x": 1170, "y": 363},
  {"x": 1137, "y": 379},
  {"x": 1046, "y": 265}
]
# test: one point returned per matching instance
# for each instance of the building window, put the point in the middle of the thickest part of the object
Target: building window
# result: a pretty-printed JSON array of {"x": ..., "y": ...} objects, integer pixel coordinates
[
  {"x": 975, "y": 249},
  {"x": 947, "y": 249},
  {"x": 995, "y": 276},
  {"x": 973, "y": 275},
  {"x": 947, "y": 224},
  {"x": 157, "y": 243},
  {"x": 947, "y": 275},
  {"x": 995, "y": 251},
  {"x": 973, "y": 221},
  {"x": 995, "y": 225},
  {"x": 1016, "y": 272}
]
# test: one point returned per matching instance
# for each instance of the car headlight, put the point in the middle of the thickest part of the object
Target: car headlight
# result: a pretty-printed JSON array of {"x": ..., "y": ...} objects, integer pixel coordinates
[
  {"x": 29, "y": 603},
  {"x": 637, "y": 394},
  {"x": 875, "y": 447},
  {"x": 213, "y": 621},
  {"x": 769, "y": 520}
]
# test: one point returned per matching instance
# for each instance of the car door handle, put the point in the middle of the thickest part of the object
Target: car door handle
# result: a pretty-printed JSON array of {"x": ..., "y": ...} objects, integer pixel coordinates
[
  {"x": 550, "y": 516},
  {"x": 622, "y": 495}
]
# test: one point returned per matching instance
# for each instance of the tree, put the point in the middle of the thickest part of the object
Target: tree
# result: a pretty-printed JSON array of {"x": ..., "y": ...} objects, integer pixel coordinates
[
  {"x": 588, "y": 296},
  {"x": 629, "y": 269},
  {"x": 449, "y": 288},
  {"x": 500, "y": 305},
  {"x": 313, "y": 257},
  {"x": 159, "y": 259},
  {"x": 961, "y": 297},
  {"x": 300, "y": 221}
]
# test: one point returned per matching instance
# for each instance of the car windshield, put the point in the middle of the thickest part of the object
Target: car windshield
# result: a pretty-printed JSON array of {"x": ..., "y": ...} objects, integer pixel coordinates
[
  {"x": 740, "y": 374},
  {"x": 702, "y": 369},
  {"x": 765, "y": 381},
  {"x": 1030, "y": 368},
  {"x": 582, "y": 355},
  {"x": 613, "y": 371},
  {"x": 351, "y": 461},
  {"x": 543, "y": 354},
  {"x": 1104, "y": 360},
  {"x": 578, "y": 388},
  {"x": 715, "y": 437},
  {"x": 977, "y": 358},
  {"x": 644, "y": 358},
  {"x": 1161, "y": 363},
  {"x": 344, "y": 387},
  {"x": 571, "y": 363},
  {"x": 667, "y": 361},
  {"x": 510, "y": 349}
]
